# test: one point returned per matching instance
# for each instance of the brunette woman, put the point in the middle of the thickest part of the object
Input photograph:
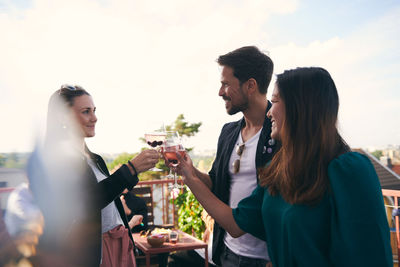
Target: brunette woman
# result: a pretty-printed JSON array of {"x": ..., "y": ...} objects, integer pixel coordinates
[
  {"x": 317, "y": 203},
  {"x": 85, "y": 223}
]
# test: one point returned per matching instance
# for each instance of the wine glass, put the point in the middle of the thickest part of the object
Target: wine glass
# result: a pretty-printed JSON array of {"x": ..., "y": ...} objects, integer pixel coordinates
[
  {"x": 173, "y": 145},
  {"x": 155, "y": 139}
]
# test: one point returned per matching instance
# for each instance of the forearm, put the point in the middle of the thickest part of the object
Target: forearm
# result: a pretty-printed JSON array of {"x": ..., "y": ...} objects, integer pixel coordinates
[
  {"x": 218, "y": 210},
  {"x": 204, "y": 177}
]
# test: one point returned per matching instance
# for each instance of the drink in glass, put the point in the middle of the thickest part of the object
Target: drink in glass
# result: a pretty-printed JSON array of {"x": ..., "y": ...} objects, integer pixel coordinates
[
  {"x": 170, "y": 154},
  {"x": 173, "y": 145},
  {"x": 173, "y": 237},
  {"x": 155, "y": 139}
]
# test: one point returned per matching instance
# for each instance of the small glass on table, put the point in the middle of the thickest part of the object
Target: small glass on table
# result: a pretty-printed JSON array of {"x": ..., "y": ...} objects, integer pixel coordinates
[{"x": 173, "y": 237}]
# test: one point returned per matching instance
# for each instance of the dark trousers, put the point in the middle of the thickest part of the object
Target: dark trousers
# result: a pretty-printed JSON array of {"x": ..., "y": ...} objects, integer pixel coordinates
[
  {"x": 186, "y": 258},
  {"x": 230, "y": 259}
]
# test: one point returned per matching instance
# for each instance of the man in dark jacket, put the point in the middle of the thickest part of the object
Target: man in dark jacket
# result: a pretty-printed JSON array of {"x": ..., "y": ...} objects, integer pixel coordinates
[{"x": 243, "y": 147}]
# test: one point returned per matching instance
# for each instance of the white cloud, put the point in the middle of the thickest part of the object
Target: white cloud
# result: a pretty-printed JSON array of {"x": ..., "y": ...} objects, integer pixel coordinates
[
  {"x": 366, "y": 73},
  {"x": 140, "y": 60},
  {"x": 152, "y": 60}
]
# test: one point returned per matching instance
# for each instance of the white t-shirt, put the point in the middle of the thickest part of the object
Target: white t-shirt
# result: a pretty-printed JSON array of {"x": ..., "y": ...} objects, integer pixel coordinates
[
  {"x": 242, "y": 185},
  {"x": 110, "y": 217}
]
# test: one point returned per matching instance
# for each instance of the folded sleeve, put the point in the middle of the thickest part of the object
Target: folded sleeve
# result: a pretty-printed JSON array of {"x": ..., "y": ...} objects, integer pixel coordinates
[
  {"x": 359, "y": 230},
  {"x": 248, "y": 214}
]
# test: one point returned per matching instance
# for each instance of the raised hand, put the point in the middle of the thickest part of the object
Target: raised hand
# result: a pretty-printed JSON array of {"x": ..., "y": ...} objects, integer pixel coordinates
[
  {"x": 145, "y": 160},
  {"x": 185, "y": 168},
  {"x": 136, "y": 220}
]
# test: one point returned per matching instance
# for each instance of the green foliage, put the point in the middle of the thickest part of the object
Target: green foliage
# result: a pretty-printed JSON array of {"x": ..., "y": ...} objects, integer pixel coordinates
[
  {"x": 183, "y": 127},
  {"x": 2, "y": 160},
  {"x": 14, "y": 160},
  {"x": 189, "y": 214},
  {"x": 120, "y": 160},
  {"x": 377, "y": 154}
]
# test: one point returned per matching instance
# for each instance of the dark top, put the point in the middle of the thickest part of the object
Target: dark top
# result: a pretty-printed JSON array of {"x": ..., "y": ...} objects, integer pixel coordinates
[
  {"x": 71, "y": 200},
  {"x": 137, "y": 206},
  {"x": 219, "y": 172},
  {"x": 348, "y": 227}
]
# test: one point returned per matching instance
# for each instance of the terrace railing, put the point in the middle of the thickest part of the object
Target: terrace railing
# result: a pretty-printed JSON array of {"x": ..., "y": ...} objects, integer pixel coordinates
[{"x": 393, "y": 212}]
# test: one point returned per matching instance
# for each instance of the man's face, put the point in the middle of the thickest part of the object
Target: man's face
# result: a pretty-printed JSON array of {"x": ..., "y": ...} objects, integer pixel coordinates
[{"x": 235, "y": 98}]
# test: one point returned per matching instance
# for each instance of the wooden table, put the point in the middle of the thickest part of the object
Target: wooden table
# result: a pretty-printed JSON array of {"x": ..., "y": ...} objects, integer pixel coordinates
[{"x": 185, "y": 242}]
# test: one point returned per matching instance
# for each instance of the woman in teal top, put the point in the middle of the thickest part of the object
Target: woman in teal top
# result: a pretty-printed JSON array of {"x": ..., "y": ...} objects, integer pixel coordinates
[
  {"x": 317, "y": 203},
  {"x": 347, "y": 227}
]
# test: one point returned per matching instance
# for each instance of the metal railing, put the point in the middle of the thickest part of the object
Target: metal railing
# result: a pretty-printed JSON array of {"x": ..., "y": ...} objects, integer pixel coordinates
[
  {"x": 395, "y": 194},
  {"x": 164, "y": 211},
  {"x": 162, "y": 202}
]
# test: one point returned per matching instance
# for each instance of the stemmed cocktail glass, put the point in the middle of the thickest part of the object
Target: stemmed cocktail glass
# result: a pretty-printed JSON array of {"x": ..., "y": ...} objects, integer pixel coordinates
[
  {"x": 155, "y": 139},
  {"x": 172, "y": 146}
]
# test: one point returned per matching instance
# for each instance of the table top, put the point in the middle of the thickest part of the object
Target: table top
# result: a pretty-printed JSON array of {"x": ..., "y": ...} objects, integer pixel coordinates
[{"x": 185, "y": 242}]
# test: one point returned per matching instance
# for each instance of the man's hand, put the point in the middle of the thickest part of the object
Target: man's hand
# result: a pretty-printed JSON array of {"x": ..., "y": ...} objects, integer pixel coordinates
[{"x": 185, "y": 167}]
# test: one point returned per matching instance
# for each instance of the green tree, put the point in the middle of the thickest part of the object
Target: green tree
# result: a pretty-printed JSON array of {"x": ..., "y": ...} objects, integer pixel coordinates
[
  {"x": 14, "y": 160},
  {"x": 2, "y": 160},
  {"x": 183, "y": 127},
  {"x": 377, "y": 154}
]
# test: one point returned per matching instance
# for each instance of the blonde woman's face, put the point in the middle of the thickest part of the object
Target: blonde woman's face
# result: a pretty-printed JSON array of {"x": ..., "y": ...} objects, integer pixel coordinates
[
  {"x": 84, "y": 111},
  {"x": 276, "y": 114}
]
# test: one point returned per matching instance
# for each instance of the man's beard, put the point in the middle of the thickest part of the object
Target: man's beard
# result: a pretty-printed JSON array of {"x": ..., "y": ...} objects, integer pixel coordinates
[
  {"x": 238, "y": 108},
  {"x": 241, "y": 106}
]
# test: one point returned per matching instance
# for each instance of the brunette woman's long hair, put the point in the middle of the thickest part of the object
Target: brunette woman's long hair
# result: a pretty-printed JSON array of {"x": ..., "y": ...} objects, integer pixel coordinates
[{"x": 309, "y": 136}]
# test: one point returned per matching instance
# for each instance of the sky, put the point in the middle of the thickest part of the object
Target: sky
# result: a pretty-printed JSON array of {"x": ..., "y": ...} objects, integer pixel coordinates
[{"x": 146, "y": 62}]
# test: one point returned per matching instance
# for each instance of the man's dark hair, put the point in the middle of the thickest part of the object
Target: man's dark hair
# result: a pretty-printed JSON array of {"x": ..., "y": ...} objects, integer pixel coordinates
[{"x": 249, "y": 62}]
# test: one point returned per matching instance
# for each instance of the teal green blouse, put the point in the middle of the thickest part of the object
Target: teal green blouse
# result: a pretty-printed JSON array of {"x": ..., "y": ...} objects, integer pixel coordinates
[{"x": 347, "y": 228}]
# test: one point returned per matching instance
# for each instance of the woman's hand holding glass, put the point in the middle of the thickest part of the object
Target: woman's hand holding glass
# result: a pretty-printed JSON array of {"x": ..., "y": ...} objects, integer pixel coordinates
[
  {"x": 155, "y": 139},
  {"x": 146, "y": 160}
]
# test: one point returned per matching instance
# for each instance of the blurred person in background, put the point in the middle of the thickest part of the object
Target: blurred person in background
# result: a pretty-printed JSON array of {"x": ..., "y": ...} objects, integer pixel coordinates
[
  {"x": 23, "y": 219},
  {"x": 85, "y": 222},
  {"x": 135, "y": 210},
  {"x": 9, "y": 254},
  {"x": 316, "y": 203}
]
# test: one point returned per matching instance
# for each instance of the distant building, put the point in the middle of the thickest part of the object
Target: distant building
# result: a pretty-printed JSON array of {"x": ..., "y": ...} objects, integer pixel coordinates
[
  {"x": 392, "y": 153},
  {"x": 387, "y": 177}
]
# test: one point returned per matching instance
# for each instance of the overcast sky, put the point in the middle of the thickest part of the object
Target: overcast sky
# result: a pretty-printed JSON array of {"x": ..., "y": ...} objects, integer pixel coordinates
[{"x": 146, "y": 62}]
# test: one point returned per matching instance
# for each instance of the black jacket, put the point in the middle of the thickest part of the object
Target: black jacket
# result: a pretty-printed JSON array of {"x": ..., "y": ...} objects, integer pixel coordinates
[{"x": 219, "y": 172}]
